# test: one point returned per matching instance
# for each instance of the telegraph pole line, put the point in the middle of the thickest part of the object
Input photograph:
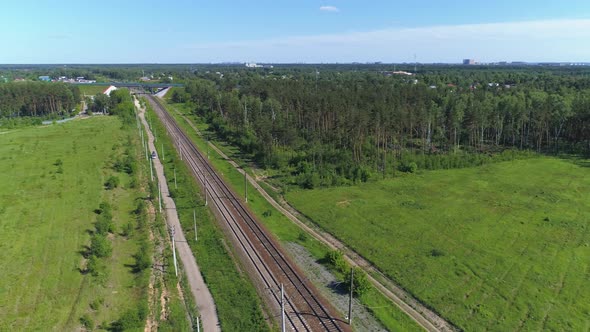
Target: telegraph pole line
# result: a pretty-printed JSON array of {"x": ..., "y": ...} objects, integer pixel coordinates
[
  {"x": 245, "y": 185},
  {"x": 175, "y": 185},
  {"x": 151, "y": 170},
  {"x": 282, "y": 308},
  {"x": 174, "y": 251},
  {"x": 160, "y": 197},
  {"x": 206, "y": 189},
  {"x": 146, "y": 149},
  {"x": 195, "y": 223},
  {"x": 207, "y": 146},
  {"x": 350, "y": 298}
]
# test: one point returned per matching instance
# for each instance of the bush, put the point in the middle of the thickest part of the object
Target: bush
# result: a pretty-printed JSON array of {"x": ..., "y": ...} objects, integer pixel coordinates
[
  {"x": 100, "y": 246},
  {"x": 131, "y": 319},
  {"x": 112, "y": 182},
  {"x": 336, "y": 259},
  {"x": 128, "y": 229},
  {"x": 143, "y": 260},
  {"x": 95, "y": 267},
  {"x": 87, "y": 322},
  {"x": 360, "y": 282},
  {"x": 104, "y": 224}
]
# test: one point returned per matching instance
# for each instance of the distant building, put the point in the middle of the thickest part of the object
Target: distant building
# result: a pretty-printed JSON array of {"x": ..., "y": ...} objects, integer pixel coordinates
[
  {"x": 398, "y": 72},
  {"x": 468, "y": 61},
  {"x": 110, "y": 89},
  {"x": 45, "y": 78}
]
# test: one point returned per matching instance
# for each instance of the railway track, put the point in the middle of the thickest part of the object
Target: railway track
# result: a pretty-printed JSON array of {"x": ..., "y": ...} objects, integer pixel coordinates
[{"x": 305, "y": 310}]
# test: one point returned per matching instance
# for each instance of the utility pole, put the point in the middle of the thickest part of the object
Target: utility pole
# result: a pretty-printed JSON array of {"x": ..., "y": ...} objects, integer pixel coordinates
[
  {"x": 206, "y": 190},
  {"x": 245, "y": 185},
  {"x": 151, "y": 170},
  {"x": 207, "y": 147},
  {"x": 175, "y": 185},
  {"x": 195, "y": 223},
  {"x": 282, "y": 308},
  {"x": 198, "y": 327},
  {"x": 160, "y": 197},
  {"x": 146, "y": 150},
  {"x": 350, "y": 298},
  {"x": 163, "y": 156},
  {"x": 174, "y": 252}
]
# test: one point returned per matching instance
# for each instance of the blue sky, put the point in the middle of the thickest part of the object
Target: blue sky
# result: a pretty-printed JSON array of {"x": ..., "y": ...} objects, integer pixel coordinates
[{"x": 185, "y": 31}]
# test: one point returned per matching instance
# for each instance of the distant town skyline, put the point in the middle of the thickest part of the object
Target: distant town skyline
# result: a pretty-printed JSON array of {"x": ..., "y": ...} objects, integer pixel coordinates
[{"x": 344, "y": 31}]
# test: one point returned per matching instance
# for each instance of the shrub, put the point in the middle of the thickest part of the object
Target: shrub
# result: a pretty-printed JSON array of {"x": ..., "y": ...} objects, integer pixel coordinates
[
  {"x": 112, "y": 182},
  {"x": 104, "y": 224},
  {"x": 360, "y": 282},
  {"x": 100, "y": 246},
  {"x": 87, "y": 322},
  {"x": 127, "y": 230},
  {"x": 336, "y": 259},
  {"x": 143, "y": 259},
  {"x": 95, "y": 267},
  {"x": 131, "y": 319}
]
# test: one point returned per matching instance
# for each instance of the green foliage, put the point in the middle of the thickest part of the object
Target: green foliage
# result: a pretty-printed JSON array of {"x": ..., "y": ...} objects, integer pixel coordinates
[
  {"x": 112, "y": 182},
  {"x": 349, "y": 125},
  {"x": 37, "y": 99},
  {"x": 59, "y": 237},
  {"x": 87, "y": 322},
  {"x": 100, "y": 246},
  {"x": 143, "y": 259},
  {"x": 464, "y": 240},
  {"x": 127, "y": 230},
  {"x": 131, "y": 319},
  {"x": 361, "y": 284},
  {"x": 104, "y": 224},
  {"x": 335, "y": 258}
]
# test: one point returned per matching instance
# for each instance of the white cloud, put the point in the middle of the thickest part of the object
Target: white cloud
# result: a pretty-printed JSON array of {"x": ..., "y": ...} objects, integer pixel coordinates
[
  {"x": 329, "y": 9},
  {"x": 548, "y": 40}
]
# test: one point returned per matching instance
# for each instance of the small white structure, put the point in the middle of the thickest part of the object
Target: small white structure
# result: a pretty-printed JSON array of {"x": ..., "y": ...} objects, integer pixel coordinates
[{"x": 109, "y": 90}]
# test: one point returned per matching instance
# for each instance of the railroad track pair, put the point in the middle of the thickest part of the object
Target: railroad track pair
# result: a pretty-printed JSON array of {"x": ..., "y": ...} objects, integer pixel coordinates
[{"x": 305, "y": 310}]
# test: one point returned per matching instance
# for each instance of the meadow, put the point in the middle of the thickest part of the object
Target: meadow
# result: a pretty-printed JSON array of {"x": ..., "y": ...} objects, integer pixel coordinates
[
  {"x": 52, "y": 181},
  {"x": 500, "y": 247},
  {"x": 91, "y": 90}
]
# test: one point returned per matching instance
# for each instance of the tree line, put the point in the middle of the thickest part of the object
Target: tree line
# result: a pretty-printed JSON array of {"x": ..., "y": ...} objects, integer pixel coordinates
[
  {"x": 350, "y": 125},
  {"x": 37, "y": 99}
]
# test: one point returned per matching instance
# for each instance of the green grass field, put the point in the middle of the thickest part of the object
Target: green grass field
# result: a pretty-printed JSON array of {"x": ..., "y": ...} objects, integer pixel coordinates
[
  {"x": 502, "y": 247},
  {"x": 92, "y": 90},
  {"x": 46, "y": 214}
]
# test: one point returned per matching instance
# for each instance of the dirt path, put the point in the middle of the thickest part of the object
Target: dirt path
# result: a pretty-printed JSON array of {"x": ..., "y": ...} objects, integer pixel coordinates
[
  {"x": 425, "y": 317},
  {"x": 199, "y": 290}
]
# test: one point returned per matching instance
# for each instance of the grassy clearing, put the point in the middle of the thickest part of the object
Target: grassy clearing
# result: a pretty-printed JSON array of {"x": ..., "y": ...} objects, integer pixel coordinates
[
  {"x": 384, "y": 310},
  {"x": 52, "y": 181},
  {"x": 501, "y": 247},
  {"x": 238, "y": 306},
  {"x": 91, "y": 90}
]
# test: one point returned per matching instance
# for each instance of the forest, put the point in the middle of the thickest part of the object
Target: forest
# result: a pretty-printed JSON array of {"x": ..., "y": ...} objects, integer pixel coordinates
[
  {"x": 37, "y": 99},
  {"x": 340, "y": 126}
]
